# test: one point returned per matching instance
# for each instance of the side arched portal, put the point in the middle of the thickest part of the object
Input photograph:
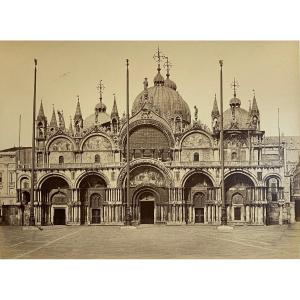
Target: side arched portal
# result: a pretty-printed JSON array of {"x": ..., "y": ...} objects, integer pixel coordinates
[
  {"x": 92, "y": 197},
  {"x": 56, "y": 199}
]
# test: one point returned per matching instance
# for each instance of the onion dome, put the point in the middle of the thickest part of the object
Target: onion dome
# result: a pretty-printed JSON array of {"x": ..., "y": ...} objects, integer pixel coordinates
[
  {"x": 170, "y": 84},
  {"x": 100, "y": 107},
  {"x": 158, "y": 79},
  {"x": 235, "y": 102}
]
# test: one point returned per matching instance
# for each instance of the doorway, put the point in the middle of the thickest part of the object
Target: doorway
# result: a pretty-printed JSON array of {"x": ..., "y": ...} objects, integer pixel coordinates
[
  {"x": 59, "y": 216},
  {"x": 147, "y": 212},
  {"x": 96, "y": 213},
  {"x": 199, "y": 215}
]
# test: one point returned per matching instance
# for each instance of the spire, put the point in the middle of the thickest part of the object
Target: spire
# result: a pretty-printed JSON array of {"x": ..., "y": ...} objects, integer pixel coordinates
[
  {"x": 254, "y": 109},
  {"x": 215, "y": 112},
  {"x": 78, "y": 110},
  {"x": 41, "y": 115},
  {"x": 114, "y": 112},
  {"x": 158, "y": 79},
  {"x": 53, "y": 122},
  {"x": 71, "y": 132}
]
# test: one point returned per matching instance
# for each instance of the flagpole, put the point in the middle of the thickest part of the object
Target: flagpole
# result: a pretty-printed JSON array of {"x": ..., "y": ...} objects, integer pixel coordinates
[
  {"x": 31, "y": 217},
  {"x": 224, "y": 213},
  {"x": 127, "y": 211}
]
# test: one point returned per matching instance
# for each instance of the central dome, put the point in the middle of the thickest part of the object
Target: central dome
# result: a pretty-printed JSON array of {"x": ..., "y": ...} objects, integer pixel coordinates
[{"x": 165, "y": 101}]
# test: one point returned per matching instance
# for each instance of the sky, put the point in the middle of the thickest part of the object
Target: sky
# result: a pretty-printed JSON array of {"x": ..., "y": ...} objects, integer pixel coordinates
[{"x": 67, "y": 69}]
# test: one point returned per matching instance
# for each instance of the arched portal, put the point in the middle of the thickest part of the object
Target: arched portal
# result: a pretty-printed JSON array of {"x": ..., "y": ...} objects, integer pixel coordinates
[
  {"x": 92, "y": 195},
  {"x": 146, "y": 199},
  {"x": 198, "y": 189},
  {"x": 238, "y": 188},
  {"x": 56, "y": 197}
]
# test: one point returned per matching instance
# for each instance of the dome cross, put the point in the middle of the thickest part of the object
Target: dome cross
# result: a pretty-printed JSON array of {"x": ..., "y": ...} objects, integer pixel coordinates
[
  {"x": 167, "y": 66},
  {"x": 100, "y": 88},
  {"x": 158, "y": 55},
  {"x": 235, "y": 85}
]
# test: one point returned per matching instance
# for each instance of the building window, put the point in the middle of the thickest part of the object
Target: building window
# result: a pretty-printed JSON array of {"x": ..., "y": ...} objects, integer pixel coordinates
[
  {"x": 11, "y": 177},
  {"x": 273, "y": 188},
  {"x": 233, "y": 156},
  {"x": 196, "y": 156},
  {"x": 0, "y": 178},
  {"x": 97, "y": 158},
  {"x": 237, "y": 213},
  {"x": 61, "y": 160}
]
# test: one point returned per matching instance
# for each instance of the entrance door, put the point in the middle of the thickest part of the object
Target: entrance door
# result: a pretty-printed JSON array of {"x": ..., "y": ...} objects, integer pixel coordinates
[
  {"x": 297, "y": 210},
  {"x": 199, "y": 215},
  {"x": 96, "y": 216},
  {"x": 147, "y": 212},
  {"x": 59, "y": 216}
]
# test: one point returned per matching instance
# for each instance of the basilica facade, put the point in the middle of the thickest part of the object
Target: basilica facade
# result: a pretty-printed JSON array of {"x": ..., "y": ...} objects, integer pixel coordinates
[{"x": 174, "y": 165}]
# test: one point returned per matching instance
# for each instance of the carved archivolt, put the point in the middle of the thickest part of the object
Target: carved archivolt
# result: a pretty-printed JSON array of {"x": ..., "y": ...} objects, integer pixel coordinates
[
  {"x": 146, "y": 170},
  {"x": 60, "y": 143},
  {"x": 96, "y": 142}
]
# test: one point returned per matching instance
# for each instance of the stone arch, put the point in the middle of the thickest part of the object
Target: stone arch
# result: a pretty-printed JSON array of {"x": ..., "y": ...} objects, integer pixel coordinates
[
  {"x": 201, "y": 132},
  {"x": 62, "y": 137},
  {"x": 87, "y": 174},
  {"x": 273, "y": 175},
  {"x": 22, "y": 178},
  {"x": 242, "y": 172},
  {"x": 141, "y": 190},
  {"x": 145, "y": 163},
  {"x": 147, "y": 122},
  {"x": 96, "y": 134},
  {"x": 238, "y": 186},
  {"x": 194, "y": 172},
  {"x": 53, "y": 175}
]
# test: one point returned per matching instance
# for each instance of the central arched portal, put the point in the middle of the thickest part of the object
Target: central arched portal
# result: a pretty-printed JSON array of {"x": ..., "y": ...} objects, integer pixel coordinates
[{"x": 147, "y": 204}]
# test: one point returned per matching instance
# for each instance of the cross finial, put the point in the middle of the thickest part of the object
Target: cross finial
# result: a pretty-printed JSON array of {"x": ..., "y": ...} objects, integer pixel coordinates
[
  {"x": 253, "y": 93},
  {"x": 100, "y": 88},
  {"x": 77, "y": 96},
  {"x": 157, "y": 57},
  {"x": 167, "y": 65},
  {"x": 235, "y": 85}
]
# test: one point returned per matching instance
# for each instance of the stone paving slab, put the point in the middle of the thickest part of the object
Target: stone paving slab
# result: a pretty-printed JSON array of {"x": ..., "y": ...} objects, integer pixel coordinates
[{"x": 151, "y": 242}]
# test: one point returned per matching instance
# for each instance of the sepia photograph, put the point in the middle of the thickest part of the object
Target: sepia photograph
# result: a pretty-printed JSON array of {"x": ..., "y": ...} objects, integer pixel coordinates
[
  {"x": 149, "y": 150},
  {"x": 105, "y": 153}
]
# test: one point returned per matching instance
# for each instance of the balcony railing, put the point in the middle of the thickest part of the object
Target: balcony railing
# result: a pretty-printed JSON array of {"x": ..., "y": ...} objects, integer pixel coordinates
[{"x": 228, "y": 164}]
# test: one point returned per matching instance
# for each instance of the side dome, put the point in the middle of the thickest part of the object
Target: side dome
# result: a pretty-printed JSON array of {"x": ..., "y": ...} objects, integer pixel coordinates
[
  {"x": 236, "y": 118},
  {"x": 90, "y": 121},
  {"x": 165, "y": 101}
]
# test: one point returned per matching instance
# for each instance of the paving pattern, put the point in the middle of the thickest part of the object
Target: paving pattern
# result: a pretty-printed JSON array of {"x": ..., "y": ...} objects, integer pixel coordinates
[{"x": 150, "y": 241}]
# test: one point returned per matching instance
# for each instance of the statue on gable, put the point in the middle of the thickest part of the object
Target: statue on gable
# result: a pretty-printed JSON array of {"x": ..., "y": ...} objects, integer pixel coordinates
[{"x": 196, "y": 113}]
